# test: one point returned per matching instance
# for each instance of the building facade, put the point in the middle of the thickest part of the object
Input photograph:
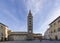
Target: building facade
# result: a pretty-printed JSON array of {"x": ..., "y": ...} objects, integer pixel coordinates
[
  {"x": 3, "y": 32},
  {"x": 55, "y": 29},
  {"x": 18, "y": 36},
  {"x": 47, "y": 34}
]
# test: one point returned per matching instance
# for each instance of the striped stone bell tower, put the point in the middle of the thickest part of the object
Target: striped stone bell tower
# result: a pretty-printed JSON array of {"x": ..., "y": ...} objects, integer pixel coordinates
[{"x": 30, "y": 25}]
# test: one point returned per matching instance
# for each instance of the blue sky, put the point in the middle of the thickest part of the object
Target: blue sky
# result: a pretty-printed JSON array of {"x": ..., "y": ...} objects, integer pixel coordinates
[{"x": 13, "y": 13}]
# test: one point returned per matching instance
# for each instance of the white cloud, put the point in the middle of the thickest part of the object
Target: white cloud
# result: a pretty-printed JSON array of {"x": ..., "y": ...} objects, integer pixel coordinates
[
  {"x": 18, "y": 25},
  {"x": 7, "y": 12},
  {"x": 54, "y": 14},
  {"x": 34, "y": 5},
  {"x": 4, "y": 9}
]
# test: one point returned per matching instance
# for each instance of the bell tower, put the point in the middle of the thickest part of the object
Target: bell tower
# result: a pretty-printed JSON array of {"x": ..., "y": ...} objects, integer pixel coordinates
[{"x": 30, "y": 25}]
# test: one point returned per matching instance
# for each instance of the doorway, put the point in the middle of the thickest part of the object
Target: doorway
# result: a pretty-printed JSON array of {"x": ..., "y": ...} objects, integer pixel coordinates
[{"x": 56, "y": 37}]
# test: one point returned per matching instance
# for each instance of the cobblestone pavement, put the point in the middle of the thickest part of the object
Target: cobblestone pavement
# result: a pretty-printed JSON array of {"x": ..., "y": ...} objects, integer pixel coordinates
[{"x": 34, "y": 41}]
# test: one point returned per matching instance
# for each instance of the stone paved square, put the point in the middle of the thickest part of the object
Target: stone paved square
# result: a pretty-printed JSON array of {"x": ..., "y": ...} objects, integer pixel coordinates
[{"x": 34, "y": 41}]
